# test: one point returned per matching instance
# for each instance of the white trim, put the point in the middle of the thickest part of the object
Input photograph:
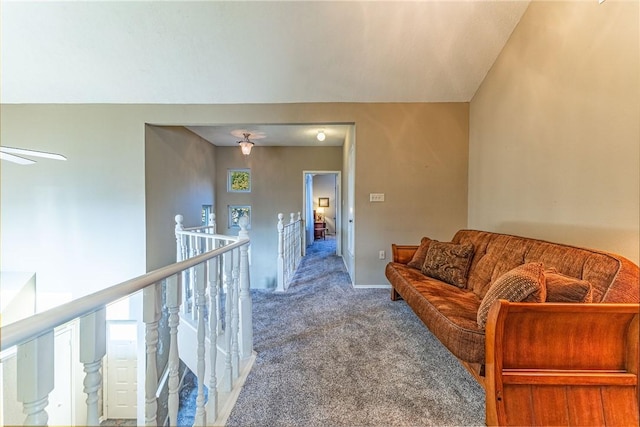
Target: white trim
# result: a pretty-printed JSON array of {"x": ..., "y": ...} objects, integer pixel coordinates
[{"x": 371, "y": 286}]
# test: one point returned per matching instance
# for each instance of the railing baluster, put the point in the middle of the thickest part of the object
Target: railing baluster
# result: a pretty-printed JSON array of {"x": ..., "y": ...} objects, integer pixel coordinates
[
  {"x": 173, "y": 298},
  {"x": 228, "y": 374},
  {"x": 220, "y": 290},
  {"x": 35, "y": 377},
  {"x": 201, "y": 302},
  {"x": 212, "y": 276},
  {"x": 235, "y": 320},
  {"x": 280, "y": 263},
  {"x": 93, "y": 347},
  {"x": 152, "y": 309},
  {"x": 245, "y": 303}
]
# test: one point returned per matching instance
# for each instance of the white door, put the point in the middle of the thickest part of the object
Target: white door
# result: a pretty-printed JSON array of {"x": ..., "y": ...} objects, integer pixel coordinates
[
  {"x": 121, "y": 380},
  {"x": 351, "y": 186}
]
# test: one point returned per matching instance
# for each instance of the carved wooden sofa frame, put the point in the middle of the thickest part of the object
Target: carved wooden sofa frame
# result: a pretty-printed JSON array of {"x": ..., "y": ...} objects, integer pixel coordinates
[{"x": 557, "y": 363}]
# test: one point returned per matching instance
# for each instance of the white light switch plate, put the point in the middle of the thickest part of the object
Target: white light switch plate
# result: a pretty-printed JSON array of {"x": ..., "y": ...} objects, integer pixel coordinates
[{"x": 376, "y": 197}]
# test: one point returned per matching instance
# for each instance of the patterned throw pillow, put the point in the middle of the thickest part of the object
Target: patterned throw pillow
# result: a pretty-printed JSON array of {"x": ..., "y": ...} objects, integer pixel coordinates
[
  {"x": 526, "y": 281},
  {"x": 448, "y": 262},
  {"x": 421, "y": 253},
  {"x": 561, "y": 288}
]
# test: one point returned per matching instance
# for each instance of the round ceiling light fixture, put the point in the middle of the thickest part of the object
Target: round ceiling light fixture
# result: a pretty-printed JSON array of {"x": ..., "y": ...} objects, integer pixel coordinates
[
  {"x": 245, "y": 144},
  {"x": 321, "y": 136}
]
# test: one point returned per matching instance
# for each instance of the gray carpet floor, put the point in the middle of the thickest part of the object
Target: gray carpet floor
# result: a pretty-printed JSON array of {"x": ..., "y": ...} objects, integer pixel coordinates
[{"x": 331, "y": 355}]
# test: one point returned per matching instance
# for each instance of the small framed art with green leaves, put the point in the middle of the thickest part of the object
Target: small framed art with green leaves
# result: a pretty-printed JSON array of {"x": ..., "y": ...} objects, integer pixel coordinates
[{"x": 239, "y": 180}]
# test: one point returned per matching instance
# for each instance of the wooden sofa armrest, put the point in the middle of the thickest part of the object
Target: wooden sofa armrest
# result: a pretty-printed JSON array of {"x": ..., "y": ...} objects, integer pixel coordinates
[
  {"x": 562, "y": 364},
  {"x": 403, "y": 253}
]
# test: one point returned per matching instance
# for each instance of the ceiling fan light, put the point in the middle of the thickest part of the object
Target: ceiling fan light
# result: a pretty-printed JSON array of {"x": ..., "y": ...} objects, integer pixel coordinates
[
  {"x": 15, "y": 159},
  {"x": 321, "y": 136}
]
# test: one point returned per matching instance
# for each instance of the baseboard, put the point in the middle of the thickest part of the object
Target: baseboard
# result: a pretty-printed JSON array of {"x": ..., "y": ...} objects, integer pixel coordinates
[
  {"x": 227, "y": 401},
  {"x": 371, "y": 286}
]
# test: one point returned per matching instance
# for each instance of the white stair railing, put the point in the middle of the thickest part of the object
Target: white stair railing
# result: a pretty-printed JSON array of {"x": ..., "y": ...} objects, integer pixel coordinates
[
  {"x": 34, "y": 336},
  {"x": 291, "y": 249}
]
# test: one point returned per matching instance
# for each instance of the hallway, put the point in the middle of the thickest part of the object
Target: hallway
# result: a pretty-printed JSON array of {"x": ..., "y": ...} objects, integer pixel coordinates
[{"x": 329, "y": 354}]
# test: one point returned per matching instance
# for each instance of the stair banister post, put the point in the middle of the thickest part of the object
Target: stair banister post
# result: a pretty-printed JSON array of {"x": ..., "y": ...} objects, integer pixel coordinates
[
  {"x": 211, "y": 268},
  {"x": 291, "y": 245},
  {"x": 227, "y": 264},
  {"x": 246, "y": 320},
  {"x": 280, "y": 263},
  {"x": 35, "y": 377},
  {"x": 173, "y": 298},
  {"x": 235, "y": 315},
  {"x": 152, "y": 309},
  {"x": 93, "y": 347},
  {"x": 211, "y": 222},
  {"x": 180, "y": 247},
  {"x": 201, "y": 302},
  {"x": 298, "y": 239}
]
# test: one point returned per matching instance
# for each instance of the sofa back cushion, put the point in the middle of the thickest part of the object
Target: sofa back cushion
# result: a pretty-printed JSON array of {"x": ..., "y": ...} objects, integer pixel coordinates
[{"x": 613, "y": 278}]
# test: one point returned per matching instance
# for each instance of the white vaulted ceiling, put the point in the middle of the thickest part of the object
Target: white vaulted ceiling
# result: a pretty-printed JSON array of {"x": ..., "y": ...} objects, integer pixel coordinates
[{"x": 183, "y": 52}]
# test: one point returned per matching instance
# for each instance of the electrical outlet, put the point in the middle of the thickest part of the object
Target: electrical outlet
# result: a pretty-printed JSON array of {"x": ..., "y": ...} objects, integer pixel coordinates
[
  {"x": 376, "y": 197},
  {"x": 381, "y": 255}
]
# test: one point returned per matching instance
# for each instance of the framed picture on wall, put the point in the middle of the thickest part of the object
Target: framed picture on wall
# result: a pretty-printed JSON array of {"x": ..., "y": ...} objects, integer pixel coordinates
[
  {"x": 239, "y": 180},
  {"x": 236, "y": 212},
  {"x": 323, "y": 202}
]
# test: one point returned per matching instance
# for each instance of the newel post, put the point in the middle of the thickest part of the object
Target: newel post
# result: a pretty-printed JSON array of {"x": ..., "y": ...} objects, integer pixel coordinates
[
  {"x": 180, "y": 246},
  {"x": 280, "y": 262},
  {"x": 93, "y": 347},
  {"x": 36, "y": 377},
  {"x": 211, "y": 222},
  {"x": 245, "y": 303}
]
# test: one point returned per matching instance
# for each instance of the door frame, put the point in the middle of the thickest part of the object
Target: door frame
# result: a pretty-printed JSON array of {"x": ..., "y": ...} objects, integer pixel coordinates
[{"x": 305, "y": 197}]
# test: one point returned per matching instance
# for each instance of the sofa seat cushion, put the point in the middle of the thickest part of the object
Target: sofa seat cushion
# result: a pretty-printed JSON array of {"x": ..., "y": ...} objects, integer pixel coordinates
[{"x": 450, "y": 313}]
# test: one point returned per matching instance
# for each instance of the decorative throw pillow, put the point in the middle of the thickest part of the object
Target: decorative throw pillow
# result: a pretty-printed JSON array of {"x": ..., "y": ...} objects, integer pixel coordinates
[
  {"x": 525, "y": 282},
  {"x": 421, "y": 253},
  {"x": 448, "y": 262},
  {"x": 561, "y": 288}
]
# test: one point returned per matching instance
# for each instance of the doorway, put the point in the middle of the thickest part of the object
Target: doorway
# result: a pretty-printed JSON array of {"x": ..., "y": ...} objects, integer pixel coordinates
[{"x": 322, "y": 203}]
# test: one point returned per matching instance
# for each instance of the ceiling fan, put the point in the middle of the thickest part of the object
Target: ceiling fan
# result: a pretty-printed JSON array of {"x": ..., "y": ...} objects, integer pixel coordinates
[{"x": 15, "y": 155}]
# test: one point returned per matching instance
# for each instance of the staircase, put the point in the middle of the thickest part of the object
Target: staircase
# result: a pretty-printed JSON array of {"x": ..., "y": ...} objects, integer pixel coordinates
[{"x": 200, "y": 287}]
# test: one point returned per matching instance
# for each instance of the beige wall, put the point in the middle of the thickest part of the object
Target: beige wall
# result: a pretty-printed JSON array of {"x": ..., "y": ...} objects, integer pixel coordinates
[
  {"x": 179, "y": 179},
  {"x": 93, "y": 206},
  {"x": 276, "y": 187},
  {"x": 555, "y": 129}
]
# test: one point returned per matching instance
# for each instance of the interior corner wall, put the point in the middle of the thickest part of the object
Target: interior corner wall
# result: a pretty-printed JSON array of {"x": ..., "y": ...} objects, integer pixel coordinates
[
  {"x": 179, "y": 178},
  {"x": 554, "y": 129},
  {"x": 276, "y": 187},
  {"x": 82, "y": 222}
]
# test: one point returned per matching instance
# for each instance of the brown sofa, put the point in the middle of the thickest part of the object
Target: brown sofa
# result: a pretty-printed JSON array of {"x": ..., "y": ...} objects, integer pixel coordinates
[{"x": 557, "y": 333}]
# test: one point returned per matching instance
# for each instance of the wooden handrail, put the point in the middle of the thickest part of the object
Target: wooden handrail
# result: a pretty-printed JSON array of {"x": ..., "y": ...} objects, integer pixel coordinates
[{"x": 41, "y": 323}]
